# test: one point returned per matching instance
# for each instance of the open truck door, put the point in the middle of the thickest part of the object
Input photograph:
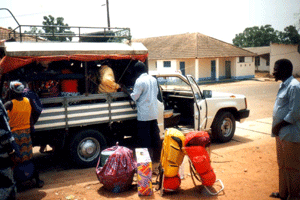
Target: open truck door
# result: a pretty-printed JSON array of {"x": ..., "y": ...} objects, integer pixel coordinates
[{"x": 200, "y": 107}]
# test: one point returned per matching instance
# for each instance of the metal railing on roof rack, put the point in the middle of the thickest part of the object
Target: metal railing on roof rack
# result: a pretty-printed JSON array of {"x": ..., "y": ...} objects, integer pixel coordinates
[
  {"x": 84, "y": 34},
  {"x": 67, "y": 33}
]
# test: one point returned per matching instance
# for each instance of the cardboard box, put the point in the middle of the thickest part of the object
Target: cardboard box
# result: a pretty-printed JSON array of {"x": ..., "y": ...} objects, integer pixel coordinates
[{"x": 144, "y": 172}]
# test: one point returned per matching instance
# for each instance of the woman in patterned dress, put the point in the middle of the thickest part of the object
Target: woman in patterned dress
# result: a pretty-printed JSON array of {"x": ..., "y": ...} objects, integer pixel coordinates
[
  {"x": 8, "y": 147},
  {"x": 19, "y": 111}
]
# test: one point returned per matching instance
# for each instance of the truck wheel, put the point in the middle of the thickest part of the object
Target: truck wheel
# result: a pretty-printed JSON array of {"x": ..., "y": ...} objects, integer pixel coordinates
[
  {"x": 85, "y": 148},
  {"x": 223, "y": 127}
]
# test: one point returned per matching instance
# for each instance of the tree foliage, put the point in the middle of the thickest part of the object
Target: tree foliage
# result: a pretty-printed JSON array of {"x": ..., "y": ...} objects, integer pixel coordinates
[
  {"x": 54, "y": 27},
  {"x": 256, "y": 37},
  {"x": 289, "y": 36},
  {"x": 33, "y": 30},
  {"x": 264, "y": 35}
]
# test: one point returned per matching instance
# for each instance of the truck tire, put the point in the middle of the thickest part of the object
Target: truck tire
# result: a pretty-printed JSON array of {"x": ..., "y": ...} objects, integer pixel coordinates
[
  {"x": 223, "y": 127},
  {"x": 85, "y": 147}
]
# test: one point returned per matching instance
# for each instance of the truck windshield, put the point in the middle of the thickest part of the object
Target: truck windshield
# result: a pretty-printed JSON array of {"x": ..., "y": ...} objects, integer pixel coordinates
[{"x": 173, "y": 83}]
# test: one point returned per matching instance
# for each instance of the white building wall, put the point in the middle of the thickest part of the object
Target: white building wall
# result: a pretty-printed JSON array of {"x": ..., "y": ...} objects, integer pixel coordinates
[
  {"x": 238, "y": 70},
  {"x": 160, "y": 66},
  {"x": 204, "y": 69},
  {"x": 190, "y": 67},
  {"x": 233, "y": 67},
  {"x": 285, "y": 51},
  {"x": 152, "y": 65},
  {"x": 175, "y": 66},
  {"x": 221, "y": 68},
  {"x": 263, "y": 65},
  {"x": 245, "y": 69}
]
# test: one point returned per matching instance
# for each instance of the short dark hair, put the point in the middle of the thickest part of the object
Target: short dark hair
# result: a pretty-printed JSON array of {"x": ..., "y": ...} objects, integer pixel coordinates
[
  {"x": 140, "y": 67},
  {"x": 286, "y": 66}
]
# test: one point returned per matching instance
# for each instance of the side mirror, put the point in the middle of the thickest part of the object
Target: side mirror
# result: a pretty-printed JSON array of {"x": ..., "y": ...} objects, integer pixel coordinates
[{"x": 207, "y": 93}]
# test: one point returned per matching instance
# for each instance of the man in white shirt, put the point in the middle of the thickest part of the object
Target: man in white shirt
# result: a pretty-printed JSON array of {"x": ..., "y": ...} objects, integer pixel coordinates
[
  {"x": 286, "y": 129},
  {"x": 144, "y": 94}
]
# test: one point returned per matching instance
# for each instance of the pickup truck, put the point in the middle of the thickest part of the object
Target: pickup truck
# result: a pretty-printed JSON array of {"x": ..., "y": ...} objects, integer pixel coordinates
[
  {"x": 203, "y": 110},
  {"x": 82, "y": 126}
]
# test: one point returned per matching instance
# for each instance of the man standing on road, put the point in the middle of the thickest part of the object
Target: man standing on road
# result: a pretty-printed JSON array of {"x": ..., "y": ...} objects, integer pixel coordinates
[
  {"x": 286, "y": 129},
  {"x": 145, "y": 93}
]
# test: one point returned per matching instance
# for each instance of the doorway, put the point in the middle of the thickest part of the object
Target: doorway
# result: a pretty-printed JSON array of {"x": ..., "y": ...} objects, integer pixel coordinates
[
  {"x": 213, "y": 70},
  {"x": 182, "y": 67},
  {"x": 227, "y": 69}
]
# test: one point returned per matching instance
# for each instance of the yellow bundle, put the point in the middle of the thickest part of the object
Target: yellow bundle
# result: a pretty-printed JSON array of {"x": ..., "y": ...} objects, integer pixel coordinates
[
  {"x": 107, "y": 80},
  {"x": 172, "y": 153}
]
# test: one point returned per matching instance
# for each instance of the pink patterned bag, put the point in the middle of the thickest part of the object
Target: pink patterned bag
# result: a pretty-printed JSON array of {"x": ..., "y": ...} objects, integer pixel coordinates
[{"x": 117, "y": 173}]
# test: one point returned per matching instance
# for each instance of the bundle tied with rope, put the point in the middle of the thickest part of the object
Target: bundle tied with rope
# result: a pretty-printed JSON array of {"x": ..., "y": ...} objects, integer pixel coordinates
[{"x": 196, "y": 143}]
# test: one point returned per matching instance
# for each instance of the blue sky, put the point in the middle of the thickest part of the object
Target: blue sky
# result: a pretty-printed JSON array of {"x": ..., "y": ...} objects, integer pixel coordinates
[{"x": 216, "y": 18}]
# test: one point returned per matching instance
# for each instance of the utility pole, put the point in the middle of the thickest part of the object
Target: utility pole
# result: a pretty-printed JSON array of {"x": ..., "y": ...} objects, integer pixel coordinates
[{"x": 108, "y": 21}]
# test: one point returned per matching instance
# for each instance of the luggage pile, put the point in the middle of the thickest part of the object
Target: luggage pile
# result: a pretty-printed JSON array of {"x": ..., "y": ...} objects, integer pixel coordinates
[
  {"x": 196, "y": 143},
  {"x": 117, "y": 172},
  {"x": 172, "y": 155},
  {"x": 118, "y": 165}
]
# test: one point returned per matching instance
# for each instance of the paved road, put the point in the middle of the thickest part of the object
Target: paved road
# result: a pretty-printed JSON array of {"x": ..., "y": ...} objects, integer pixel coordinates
[{"x": 260, "y": 95}]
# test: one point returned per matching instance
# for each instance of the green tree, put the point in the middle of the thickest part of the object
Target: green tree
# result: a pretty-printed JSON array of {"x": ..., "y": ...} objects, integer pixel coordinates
[
  {"x": 54, "y": 27},
  {"x": 289, "y": 36},
  {"x": 33, "y": 30},
  {"x": 256, "y": 37}
]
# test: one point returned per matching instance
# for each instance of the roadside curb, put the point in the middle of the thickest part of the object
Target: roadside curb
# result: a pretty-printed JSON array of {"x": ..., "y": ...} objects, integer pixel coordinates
[
  {"x": 248, "y": 134},
  {"x": 211, "y": 82},
  {"x": 254, "y": 129},
  {"x": 263, "y": 79}
]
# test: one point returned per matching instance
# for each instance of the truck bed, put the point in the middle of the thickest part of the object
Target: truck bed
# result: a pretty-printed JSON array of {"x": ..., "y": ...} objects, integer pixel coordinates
[{"x": 62, "y": 113}]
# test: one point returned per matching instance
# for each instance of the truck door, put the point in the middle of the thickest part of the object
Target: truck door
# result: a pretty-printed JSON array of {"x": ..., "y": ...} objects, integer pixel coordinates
[
  {"x": 161, "y": 108},
  {"x": 200, "y": 109}
]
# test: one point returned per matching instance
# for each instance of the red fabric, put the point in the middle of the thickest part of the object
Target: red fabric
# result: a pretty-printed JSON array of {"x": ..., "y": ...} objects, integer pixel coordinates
[
  {"x": 171, "y": 183},
  {"x": 68, "y": 85},
  {"x": 117, "y": 173},
  {"x": 197, "y": 138},
  {"x": 209, "y": 178},
  {"x": 8, "y": 64},
  {"x": 201, "y": 161}
]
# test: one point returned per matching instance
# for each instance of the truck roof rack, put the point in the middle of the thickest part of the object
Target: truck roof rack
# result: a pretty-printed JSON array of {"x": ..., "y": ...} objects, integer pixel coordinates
[
  {"x": 67, "y": 33},
  {"x": 83, "y": 34}
]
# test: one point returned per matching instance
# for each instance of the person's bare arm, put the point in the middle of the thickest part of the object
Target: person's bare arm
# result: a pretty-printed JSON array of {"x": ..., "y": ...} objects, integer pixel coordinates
[{"x": 8, "y": 105}]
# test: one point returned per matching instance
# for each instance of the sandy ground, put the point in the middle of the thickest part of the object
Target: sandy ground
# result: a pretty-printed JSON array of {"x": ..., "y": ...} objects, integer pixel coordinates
[{"x": 248, "y": 171}]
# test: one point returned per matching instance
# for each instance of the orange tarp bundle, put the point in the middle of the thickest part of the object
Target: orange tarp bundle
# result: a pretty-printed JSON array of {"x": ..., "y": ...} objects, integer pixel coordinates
[{"x": 8, "y": 64}]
